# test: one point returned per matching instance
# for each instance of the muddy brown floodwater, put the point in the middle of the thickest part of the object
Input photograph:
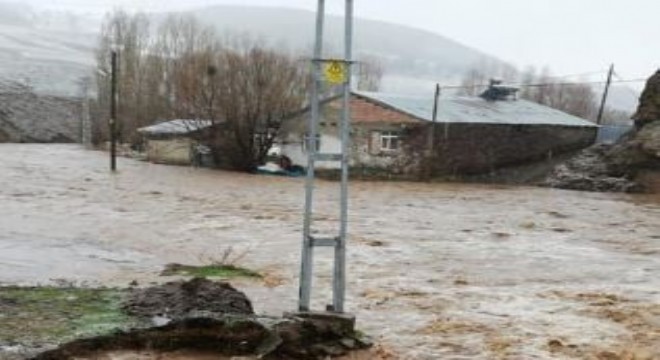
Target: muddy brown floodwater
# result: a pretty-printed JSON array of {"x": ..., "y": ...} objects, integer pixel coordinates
[{"x": 434, "y": 270}]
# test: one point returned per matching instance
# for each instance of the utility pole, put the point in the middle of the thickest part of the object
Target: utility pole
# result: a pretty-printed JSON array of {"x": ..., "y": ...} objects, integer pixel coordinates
[
  {"x": 337, "y": 71},
  {"x": 113, "y": 111},
  {"x": 305, "y": 291},
  {"x": 339, "y": 283},
  {"x": 599, "y": 119},
  {"x": 430, "y": 146}
]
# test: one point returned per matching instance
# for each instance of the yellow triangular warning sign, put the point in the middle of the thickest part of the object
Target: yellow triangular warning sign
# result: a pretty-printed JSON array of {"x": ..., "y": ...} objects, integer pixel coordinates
[{"x": 335, "y": 72}]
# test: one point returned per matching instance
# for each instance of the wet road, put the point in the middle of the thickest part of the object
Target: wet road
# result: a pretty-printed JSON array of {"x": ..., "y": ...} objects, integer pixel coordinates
[{"x": 435, "y": 270}]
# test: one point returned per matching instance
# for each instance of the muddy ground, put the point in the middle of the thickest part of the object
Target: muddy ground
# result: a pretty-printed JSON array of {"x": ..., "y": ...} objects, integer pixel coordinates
[{"x": 435, "y": 270}]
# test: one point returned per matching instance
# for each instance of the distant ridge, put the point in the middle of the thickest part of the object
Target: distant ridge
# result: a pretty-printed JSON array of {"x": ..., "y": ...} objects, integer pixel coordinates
[
  {"x": 51, "y": 50},
  {"x": 406, "y": 51}
]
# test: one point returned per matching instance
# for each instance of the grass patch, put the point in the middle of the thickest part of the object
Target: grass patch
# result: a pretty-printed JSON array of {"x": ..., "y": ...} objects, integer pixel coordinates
[
  {"x": 38, "y": 315},
  {"x": 221, "y": 271}
]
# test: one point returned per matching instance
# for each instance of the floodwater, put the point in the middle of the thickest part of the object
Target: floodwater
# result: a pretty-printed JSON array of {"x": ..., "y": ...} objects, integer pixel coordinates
[{"x": 434, "y": 270}]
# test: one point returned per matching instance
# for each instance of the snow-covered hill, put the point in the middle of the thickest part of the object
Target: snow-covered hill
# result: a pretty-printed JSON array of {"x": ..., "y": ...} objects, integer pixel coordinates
[{"x": 49, "y": 51}]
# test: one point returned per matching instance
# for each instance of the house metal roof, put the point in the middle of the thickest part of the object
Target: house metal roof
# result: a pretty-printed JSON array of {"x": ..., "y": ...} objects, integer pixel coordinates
[
  {"x": 176, "y": 127},
  {"x": 456, "y": 109}
]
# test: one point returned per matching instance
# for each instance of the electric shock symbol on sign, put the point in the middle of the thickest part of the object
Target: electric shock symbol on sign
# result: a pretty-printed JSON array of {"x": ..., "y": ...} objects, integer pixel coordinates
[{"x": 335, "y": 72}]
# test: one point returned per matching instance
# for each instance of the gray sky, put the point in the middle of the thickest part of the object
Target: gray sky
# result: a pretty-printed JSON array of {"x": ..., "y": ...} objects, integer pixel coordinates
[{"x": 570, "y": 36}]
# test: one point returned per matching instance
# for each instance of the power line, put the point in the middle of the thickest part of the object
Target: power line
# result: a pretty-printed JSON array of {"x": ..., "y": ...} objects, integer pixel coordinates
[
  {"x": 547, "y": 84},
  {"x": 599, "y": 72},
  {"x": 630, "y": 90}
]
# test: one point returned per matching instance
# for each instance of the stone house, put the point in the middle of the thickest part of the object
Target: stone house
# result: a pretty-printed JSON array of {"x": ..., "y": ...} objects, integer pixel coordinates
[
  {"x": 174, "y": 142},
  {"x": 390, "y": 134}
]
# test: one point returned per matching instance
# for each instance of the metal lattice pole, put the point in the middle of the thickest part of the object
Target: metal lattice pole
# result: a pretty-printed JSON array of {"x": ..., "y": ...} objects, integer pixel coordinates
[
  {"x": 307, "y": 250},
  {"x": 339, "y": 283},
  {"x": 341, "y": 75}
]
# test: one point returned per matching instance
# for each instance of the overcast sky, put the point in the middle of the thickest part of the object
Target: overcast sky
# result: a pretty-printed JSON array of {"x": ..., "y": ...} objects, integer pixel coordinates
[{"x": 570, "y": 36}]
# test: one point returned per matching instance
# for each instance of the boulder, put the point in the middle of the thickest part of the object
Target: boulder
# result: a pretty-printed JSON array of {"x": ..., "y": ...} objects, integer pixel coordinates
[{"x": 649, "y": 103}]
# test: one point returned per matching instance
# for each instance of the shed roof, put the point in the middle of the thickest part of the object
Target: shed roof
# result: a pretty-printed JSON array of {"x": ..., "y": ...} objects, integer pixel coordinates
[
  {"x": 176, "y": 127},
  {"x": 458, "y": 109}
]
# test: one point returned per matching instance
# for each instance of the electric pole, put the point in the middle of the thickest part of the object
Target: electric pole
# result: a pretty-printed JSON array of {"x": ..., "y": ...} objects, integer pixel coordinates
[
  {"x": 113, "y": 111},
  {"x": 430, "y": 156},
  {"x": 599, "y": 119},
  {"x": 336, "y": 72}
]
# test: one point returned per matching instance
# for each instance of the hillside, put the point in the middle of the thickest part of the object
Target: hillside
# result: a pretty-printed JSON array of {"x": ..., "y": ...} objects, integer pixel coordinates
[
  {"x": 47, "y": 50},
  {"x": 428, "y": 56},
  {"x": 51, "y": 50}
]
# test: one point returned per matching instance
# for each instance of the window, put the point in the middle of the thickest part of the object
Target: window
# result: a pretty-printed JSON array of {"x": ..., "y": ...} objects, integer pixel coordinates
[
  {"x": 389, "y": 141},
  {"x": 305, "y": 142}
]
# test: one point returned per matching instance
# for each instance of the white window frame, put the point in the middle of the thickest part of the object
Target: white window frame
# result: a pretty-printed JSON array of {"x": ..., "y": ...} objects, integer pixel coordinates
[{"x": 387, "y": 139}]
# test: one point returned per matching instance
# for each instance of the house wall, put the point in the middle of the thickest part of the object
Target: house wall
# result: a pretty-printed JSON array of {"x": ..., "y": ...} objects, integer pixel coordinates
[
  {"x": 175, "y": 151},
  {"x": 467, "y": 148},
  {"x": 330, "y": 144},
  {"x": 366, "y": 151},
  {"x": 370, "y": 117},
  {"x": 481, "y": 148}
]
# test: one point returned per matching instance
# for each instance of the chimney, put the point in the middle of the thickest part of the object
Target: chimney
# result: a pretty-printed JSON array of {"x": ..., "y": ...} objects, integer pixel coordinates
[{"x": 498, "y": 92}]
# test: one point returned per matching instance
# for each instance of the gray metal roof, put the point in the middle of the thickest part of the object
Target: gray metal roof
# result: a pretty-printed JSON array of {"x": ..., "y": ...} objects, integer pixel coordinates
[
  {"x": 176, "y": 127},
  {"x": 457, "y": 109}
]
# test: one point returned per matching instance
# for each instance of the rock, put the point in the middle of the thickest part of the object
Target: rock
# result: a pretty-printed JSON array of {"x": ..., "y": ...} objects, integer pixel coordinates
[
  {"x": 348, "y": 343},
  {"x": 649, "y": 139},
  {"x": 555, "y": 344},
  {"x": 589, "y": 171},
  {"x": 617, "y": 168},
  {"x": 649, "y": 107},
  {"x": 335, "y": 323}
]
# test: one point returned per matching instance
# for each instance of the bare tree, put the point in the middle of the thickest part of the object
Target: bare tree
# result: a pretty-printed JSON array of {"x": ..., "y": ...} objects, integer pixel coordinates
[
  {"x": 475, "y": 80},
  {"x": 575, "y": 98},
  {"x": 128, "y": 35},
  {"x": 370, "y": 74},
  {"x": 182, "y": 70},
  {"x": 472, "y": 83},
  {"x": 260, "y": 88}
]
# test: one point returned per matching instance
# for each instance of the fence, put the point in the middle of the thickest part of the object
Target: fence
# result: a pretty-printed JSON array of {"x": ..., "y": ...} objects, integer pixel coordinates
[{"x": 609, "y": 134}]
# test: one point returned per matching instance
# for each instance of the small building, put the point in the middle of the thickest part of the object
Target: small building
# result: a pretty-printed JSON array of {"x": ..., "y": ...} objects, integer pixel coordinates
[
  {"x": 391, "y": 133},
  {"x": 175, "y": 142}
]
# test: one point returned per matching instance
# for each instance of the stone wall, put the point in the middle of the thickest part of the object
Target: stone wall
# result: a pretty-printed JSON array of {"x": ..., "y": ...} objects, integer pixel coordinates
[
  {"x": 26, "y": 117},
  {"x": 480, "y": 148},
  {"x": 462, "y": 149}
]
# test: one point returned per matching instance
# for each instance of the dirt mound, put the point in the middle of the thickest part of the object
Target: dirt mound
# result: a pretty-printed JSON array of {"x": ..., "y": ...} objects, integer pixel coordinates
[
  {"x": 295, "y": 336},
  {"x": 180, "y": 299},
  {"x": 378, "y": 353},
  {"x": 205, "y": 316}
]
